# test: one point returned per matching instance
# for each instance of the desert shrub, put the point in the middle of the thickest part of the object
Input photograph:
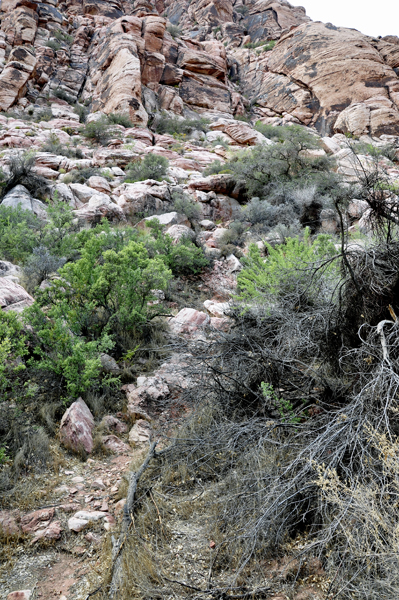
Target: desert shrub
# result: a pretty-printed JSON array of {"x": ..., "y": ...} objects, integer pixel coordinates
[
  {"x": 120, "y": 119},
  {"x": 242, "y": 10},
  {"x": 54, "y": 146},
  {"x": 83, "y": 174},
  {"x": 63, "y": 36},
  {"x": 221, "y": 142},
  {"x": 175, "y": 125},
  {"x": 151, "y": 167},
  {"x": 40, "y": 265},
  {"x": 74, "y": 361},
  {"x": 181, "y": 258},
  {"x": 19, "y": 233},
  {"x": 63, "y": 95},
  {"x": 183, "y": 204},
  {"x": 44, "y": 114},
  {"x": 278, "y": 274},
  {"x": 215, "y": 168},
  {"x": 12, "y": 350},
  {"x": 106, "y": 291},
  {"x": 82, "y": 111},
  {"x": 99, "y": 131},
  {"x": 174, "y": 30},
  {"x": 21, "y": 173},
  {"x": 54, "y": 45}
]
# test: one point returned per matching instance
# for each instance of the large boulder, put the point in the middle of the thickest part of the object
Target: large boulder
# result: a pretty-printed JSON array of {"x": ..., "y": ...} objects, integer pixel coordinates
[
  {"x": 19, "y": 196},
  {"x": 13, "y": 296},
  {"x": 189, "y": 322},
  {"x": 76, "y": 427},
  {"x": 20, "y": 67}
]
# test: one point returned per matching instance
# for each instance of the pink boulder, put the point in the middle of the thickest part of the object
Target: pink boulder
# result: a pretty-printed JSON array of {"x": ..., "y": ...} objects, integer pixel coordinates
[
  {"x": 76, "y": 427},
  {"x": 13, "y": 296},
  {"x": 189, "y": 322},
  {"x": 38, "y": 519},
  {"x": 20, "y": 595}
]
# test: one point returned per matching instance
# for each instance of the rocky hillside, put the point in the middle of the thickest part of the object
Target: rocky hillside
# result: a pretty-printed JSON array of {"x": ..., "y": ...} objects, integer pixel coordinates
[
  {"x": 221, "y": 58},
  {"x": 198, "y": 248}
]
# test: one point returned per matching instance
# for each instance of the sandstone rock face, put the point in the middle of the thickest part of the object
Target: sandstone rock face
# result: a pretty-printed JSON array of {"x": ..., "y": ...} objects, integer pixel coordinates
[
  {"x": 76, "y": 427},
  {"x": 335, "y": 67}
]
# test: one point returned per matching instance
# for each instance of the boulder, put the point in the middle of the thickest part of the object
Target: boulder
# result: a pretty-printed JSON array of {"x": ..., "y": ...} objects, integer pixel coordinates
[
  {"x": 83, "y": 518},
  {"x": 13, "y": 296},
  {"x": 76, "y": 427},
  {"x": 335, "y": 68},
  {"x": 216, "y": 309},
  {"x": 113, "y": 424},
  {"x": 13, "y": 78},
  {"x": 12, "y": 272},
  {"x": 39, "y": 519},
  {"x": 177, "y": 232},
  {"x": 109, "y": 364},
  {"x": 19, "y": 196},
  {"x": 51, "y": 532},
  {"x": 140, "y": 433},
  {"x": 100, "y": 184},
  {"x": 168, "y": 219},
  {"x": 189, "y": 322},
  {"x": 115, "y": 445},
  {"x": 100, "y": 206}
]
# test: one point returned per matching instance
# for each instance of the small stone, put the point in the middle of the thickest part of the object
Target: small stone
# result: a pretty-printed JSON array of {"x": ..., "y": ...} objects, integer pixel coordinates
[
  {"x": 212, "y": 544},
  {"x": 98, "y": 484},
  {"x": 77, "y": 479},
  {"x": 104, "y": 506}
]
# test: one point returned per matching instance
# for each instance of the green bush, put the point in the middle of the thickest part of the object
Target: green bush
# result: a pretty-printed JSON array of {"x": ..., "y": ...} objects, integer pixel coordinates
[
  {"x": 12, "y": 350},
  {"x": 82, "y": 111},
  {"x": 174, "y": 30},
  {"x": 174, "y": 125},
  {"x": 183, "y": 204},
  {"x": 280, "y": 273},
  {"x": 63, "y": 36},
  {"x": 63, "y": 95},
  {"x": 183, "y": 258},
  {"x": 105, "y": 291},
  {"x": 99, "y": 131},
  {"x": 120, "y": 119},
  {"x": 151, "y": 167},
  {"x": 19, "y": 233},
  {"x": 215, "y": 168},
  {"x": 54, "y": 45},
  {"x": 54, "y": 146}
]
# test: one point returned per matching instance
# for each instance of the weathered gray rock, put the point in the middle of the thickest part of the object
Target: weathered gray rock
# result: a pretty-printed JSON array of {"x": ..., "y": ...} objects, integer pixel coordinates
[{"x": 19, "y": 196}]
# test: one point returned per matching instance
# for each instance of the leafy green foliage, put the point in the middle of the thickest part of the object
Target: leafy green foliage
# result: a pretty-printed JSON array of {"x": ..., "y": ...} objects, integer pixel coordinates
[
  {"x": 151, "y": 167},
  {"x": 19, "y": 231},
  {"x": 284, "y": 407},
  {"x": 174, "y": 125},
  {"x": 12, "y": 350},
  {"x": 183, "y": 258},
  {"x": 280, "y": 273},
  {"x": 183, "y": 204},
  {"x": 106, "y": 291},
  {"x": 99, "y": 131},
  {"x": 120, "y": 119}
]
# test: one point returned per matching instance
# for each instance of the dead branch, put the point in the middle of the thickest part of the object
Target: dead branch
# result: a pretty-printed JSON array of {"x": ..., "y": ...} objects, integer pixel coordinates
[{"x": 126, "y": 522}]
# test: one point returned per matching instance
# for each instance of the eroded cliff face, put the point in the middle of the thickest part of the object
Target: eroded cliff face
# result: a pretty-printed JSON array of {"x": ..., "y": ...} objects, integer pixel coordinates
[{"x": 118, "y": 56}]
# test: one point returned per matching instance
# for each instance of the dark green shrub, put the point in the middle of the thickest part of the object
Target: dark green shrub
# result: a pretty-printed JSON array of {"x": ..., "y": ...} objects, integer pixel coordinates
[
  {"x": 242, "y": 10},
  {"x": 151, "y": 167},
  {"x": 40, "y": 265},
  {"x": 12, "y": 350},
  {"x": 82, "y": 111},
  {"x": 21, "y": 173},
  {"x": 63, "y": 36},
  {"x": 183, "y": 258},
  {"x": 54, "y": 45},
  {"x": 174, "y": 125},
  {"x": 183, "y": 204},
  {"x": 63, "y": 95},
  {"x": 19, "y": 233},
  {"x": 54, "y": 146},
  {"x": 214, "y": 168},
  {"x": 83, "y": 174},
  {"x": 120, "y": 119},
  {"x": 98, "y": 131}
]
